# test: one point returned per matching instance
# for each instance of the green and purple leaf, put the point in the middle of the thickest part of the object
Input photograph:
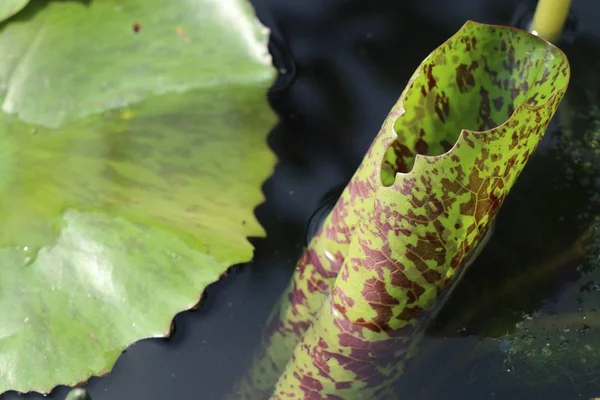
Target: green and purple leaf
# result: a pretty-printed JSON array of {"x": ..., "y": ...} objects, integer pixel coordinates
[
  {"x": 132, "y": 150},
  {"x": 464, "y": 129},
  {"x": 415, "y": 211}
]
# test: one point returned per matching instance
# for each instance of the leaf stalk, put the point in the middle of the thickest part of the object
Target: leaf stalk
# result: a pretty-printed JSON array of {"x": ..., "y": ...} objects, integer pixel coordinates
[{"x": 550, "y": 18}]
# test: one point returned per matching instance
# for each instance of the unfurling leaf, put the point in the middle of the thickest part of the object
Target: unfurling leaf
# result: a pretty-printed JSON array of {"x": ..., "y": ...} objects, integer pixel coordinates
[{"x": 412, "y": 215}]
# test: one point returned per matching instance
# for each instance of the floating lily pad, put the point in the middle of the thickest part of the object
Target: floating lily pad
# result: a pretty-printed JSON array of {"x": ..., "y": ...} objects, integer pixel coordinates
[{"x": 132, "y": 150}]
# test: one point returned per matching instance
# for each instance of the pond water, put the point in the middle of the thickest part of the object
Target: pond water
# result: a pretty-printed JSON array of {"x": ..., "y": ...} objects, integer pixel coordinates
[{"x": 352, "y": 59}]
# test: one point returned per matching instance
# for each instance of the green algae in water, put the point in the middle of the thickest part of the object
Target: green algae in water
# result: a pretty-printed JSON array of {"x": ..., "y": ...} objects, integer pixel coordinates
[{"x": 561, "y": 342}]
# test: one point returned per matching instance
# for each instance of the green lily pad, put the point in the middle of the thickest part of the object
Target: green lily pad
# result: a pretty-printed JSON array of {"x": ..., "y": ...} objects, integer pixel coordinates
[
  {"x": 8, "y": 8},
  {"x": 132, "y": 152},
  {"x": 76, "y": 60}
]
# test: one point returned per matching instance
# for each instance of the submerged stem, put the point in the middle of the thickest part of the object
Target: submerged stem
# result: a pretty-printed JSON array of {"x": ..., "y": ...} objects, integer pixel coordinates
[{"x": 549, "y": 18}]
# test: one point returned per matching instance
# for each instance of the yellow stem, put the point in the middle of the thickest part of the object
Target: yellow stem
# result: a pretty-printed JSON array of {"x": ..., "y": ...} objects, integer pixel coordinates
[{"x": 549, "y": 18}]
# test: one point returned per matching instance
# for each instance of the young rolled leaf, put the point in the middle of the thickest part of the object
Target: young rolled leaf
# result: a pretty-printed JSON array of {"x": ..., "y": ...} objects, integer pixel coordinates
[
  {"x": 315, "y": 273},
  {"x": 464, "y": 128}
]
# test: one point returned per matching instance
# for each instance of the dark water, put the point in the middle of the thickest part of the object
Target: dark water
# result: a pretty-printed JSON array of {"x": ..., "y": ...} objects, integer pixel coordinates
[{"x": 352, "y": 59}]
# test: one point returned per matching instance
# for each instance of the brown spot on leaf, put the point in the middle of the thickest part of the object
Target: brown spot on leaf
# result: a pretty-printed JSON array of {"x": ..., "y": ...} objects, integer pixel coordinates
[
  {"x": 310, "y": 386},
  {"x": 485, "y": 110},
  {"x": 431, "y": 82},
  {"x": 343, "y": 385},
  {"x": 498, "y": 103},
  {"x": 409, "y": 313},
  {"x": 421, "y": 146},
  {"x": 464, "y": 76},
  {"x": 442, "y": 106}
]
